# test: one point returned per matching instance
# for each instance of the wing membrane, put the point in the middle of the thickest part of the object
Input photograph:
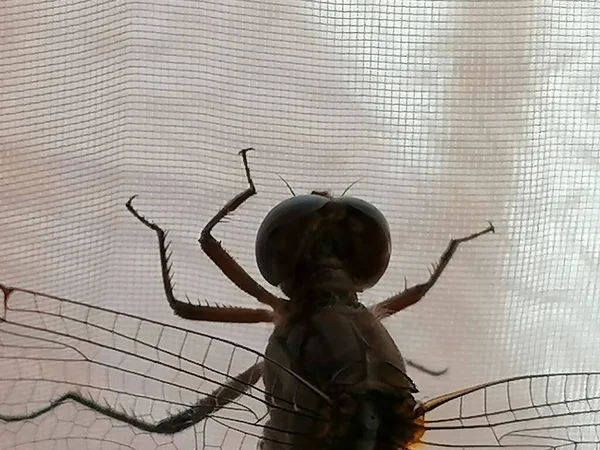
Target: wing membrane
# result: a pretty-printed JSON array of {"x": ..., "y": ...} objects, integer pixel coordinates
[
  {"x": 50, "y": 346},
  {"x": 554, "y": 411}
]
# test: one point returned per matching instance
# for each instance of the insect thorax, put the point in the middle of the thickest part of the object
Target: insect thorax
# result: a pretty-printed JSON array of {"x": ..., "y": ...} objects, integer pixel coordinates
[{"x": 345, "y": 353}]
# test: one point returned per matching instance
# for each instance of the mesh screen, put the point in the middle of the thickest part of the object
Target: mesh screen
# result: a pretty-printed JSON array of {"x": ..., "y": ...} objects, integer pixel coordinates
[{"x": 450, "y": 113}]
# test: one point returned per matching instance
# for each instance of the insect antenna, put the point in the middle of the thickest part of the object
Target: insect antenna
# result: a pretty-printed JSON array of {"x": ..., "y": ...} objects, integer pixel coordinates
[
  {"x": 351, "y": 184},
  {"x": 288, "y": 185}
]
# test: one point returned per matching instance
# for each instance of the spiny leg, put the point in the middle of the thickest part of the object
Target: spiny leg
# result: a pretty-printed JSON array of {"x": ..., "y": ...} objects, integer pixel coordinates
[
  {"x": 188, "y": 310},
  {"x": 412, "y": 295},
  {"x": 190, "y": 416},
  {"x": 223, "y": 260}
]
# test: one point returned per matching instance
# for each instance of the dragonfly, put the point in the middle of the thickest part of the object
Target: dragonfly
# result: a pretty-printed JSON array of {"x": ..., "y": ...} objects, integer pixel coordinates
[{"x": 331, "y": 376}]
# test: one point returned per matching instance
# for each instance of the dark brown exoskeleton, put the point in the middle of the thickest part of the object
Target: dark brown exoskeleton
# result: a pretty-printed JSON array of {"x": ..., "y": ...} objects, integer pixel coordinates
[{"x": 321, "y": 252}]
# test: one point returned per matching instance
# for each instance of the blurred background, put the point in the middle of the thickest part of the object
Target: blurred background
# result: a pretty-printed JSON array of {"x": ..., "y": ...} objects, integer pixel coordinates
[{"x": 451, "y": 114}]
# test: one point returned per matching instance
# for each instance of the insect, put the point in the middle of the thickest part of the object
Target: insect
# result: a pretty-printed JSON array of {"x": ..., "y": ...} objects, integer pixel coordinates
[{"x": 332, "y": 376}]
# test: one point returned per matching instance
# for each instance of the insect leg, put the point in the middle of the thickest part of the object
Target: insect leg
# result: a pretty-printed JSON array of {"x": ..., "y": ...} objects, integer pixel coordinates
[
  {"x": 210, "y": 404},
  {"x": 188, "y": 310},
  {"x": 412, "y": 295},
  {"x": 422, "y": 368},
  {"x": 223, "y": 260}
]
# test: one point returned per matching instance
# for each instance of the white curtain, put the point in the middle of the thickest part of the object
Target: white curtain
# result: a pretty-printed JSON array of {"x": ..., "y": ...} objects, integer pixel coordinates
[{"x": 451, "y": 114}]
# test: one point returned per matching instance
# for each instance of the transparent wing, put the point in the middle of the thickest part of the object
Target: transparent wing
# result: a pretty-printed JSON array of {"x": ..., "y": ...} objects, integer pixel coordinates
[
  {"x": 556, "y": 411},
  {"x": 51, "y": 347}
]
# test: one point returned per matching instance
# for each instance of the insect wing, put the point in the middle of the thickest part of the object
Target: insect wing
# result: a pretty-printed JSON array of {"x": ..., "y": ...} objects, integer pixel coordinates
[
  {"x": 555, "y": 411},
  {"x": 50, "y": 346}
]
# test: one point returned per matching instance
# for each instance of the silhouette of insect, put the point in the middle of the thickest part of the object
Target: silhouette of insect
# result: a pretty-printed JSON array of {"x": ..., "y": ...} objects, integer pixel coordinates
[{"x": 333, "y": 376}]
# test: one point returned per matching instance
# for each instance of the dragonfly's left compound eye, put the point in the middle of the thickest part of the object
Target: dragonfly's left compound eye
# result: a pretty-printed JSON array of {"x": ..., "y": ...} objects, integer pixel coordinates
[
  {"x": 279, "y": 232},
  {"x": 349, "y": 228}
]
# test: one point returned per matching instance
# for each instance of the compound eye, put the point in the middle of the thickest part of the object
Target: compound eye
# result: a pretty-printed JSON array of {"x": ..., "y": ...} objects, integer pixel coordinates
[
  {"x": 348, "y": 228},
  {"x": 277, "y": 239},
  {"x": 369, "y": 240}
]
